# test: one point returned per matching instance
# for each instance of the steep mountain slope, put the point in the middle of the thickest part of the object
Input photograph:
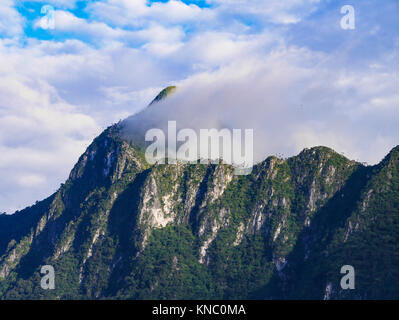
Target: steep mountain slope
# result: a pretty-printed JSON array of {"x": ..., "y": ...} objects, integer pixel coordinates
[{"x": 120, "y": 228}]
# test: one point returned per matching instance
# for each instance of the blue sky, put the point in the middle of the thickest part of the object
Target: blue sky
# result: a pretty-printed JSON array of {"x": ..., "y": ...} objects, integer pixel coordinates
[{"x": 285, "y": 68}]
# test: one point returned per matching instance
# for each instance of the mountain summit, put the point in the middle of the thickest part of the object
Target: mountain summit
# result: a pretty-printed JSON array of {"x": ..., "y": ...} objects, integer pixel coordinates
[
  {"x": 121, "y": 228},
  {"x": 164, "y": 94}
]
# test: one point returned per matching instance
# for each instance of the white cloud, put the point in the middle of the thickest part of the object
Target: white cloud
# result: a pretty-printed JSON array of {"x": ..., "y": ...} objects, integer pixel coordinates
[
  {"x": 154, "y": 37},
  {"x": 31, "y": 180},
  {"x": 139, "y": 12},
  {"x": 67, "y": 22},
  {"x": 41, "y": 135},
  {"x": 275, "y": 11},
  {"x": 11, "y": 22}
]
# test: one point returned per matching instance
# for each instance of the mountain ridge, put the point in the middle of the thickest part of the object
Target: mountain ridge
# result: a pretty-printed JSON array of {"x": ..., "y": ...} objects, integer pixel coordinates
[{"x": 120, "y": 228}]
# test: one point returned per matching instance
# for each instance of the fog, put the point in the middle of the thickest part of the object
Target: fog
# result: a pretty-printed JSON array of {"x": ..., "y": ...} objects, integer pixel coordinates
[{"x": 292, "y": 99}]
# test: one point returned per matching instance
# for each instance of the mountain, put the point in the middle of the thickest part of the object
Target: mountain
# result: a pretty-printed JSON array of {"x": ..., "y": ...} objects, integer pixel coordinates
[{"x": 120, "y": 228}]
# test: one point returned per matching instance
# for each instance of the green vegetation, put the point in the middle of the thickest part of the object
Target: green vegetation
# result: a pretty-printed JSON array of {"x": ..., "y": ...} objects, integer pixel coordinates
[{"x": 121, "y": 229}]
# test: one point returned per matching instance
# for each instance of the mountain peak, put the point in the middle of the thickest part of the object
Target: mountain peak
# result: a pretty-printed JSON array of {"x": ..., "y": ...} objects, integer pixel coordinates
[
  {"x": 320, "y": 152},
  {"x": 164, "y": 94},
  {"x": 394, "y": 152},
  {"x": 391, "y": 157},
  {"x": 318, "y": 149}
]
